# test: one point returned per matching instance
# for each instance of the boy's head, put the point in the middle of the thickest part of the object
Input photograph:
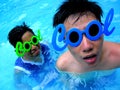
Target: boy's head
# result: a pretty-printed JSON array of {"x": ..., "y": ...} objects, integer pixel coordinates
[
  {"x": 79, "y": 14},
  {"x": 17, "y": 32}
]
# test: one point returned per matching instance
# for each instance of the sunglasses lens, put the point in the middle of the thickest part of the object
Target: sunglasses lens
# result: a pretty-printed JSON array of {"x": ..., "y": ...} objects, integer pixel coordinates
[
  {"x": 27, "y": 46},
  {"x": 93, "y": 30},
  {"x": 34, "y": 40},
  {"x": 74, "y": 37}
]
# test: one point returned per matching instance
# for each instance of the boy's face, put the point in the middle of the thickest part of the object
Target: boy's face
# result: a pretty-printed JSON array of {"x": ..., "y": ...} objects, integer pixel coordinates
[
  {"x": 35, "y": 49},
  {"x": 88, "y": 51}
]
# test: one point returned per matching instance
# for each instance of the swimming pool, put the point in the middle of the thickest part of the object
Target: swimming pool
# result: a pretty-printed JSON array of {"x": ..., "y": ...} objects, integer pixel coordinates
[{"x": 38, "y": 14}]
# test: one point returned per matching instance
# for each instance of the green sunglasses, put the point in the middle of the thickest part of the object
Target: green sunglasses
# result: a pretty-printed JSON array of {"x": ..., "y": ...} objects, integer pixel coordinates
[{"x": 26, "y": 46}]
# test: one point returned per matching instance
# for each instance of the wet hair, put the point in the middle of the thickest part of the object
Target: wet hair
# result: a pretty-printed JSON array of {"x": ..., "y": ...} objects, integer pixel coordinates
[
  {"x": 17, "y": 32},
  {"x": 70, "y": 7}
]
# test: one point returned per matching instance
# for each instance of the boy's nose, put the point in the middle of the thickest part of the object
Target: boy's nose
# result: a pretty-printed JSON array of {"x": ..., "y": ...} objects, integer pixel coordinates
[
  {"x": 87, "y": 46},
  {"x": 33, "y": 47}
]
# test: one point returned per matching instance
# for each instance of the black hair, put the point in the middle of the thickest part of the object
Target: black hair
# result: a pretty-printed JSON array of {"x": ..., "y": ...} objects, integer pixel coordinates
[
  {"x": 70, "y": 7},
  {"x": 17, "y": 32}
]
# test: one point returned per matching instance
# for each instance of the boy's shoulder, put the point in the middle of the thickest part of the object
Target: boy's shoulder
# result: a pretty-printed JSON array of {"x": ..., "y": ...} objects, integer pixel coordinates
[{"x": 64, "y": 60}]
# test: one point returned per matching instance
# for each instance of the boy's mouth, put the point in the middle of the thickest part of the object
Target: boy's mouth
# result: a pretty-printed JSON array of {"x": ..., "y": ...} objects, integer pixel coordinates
[
  {"x": 35, "y": 52},
  {"x": 90, "y": 59}
]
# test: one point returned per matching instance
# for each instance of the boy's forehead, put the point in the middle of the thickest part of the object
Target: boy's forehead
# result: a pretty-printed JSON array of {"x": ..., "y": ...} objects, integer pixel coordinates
[
  {"x": 78, "y": 21},
  {"x": 27, "y": 36}
]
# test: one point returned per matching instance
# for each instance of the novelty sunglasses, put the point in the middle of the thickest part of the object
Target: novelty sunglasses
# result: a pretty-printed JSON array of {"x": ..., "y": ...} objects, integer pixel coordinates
[
  {"x": 21, "y": 48},
  {"x": 93, "y": 32}
]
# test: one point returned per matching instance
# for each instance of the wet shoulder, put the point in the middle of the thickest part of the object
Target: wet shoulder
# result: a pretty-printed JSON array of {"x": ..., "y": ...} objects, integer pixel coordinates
[{"x": 64, "y": 61}]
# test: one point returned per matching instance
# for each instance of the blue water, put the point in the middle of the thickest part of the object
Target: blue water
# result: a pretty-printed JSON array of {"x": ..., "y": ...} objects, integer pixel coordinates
[{"x": 38, "y": 14}]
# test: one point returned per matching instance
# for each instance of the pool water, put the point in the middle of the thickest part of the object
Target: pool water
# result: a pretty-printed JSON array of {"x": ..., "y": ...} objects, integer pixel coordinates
[{"x": 38, "y": 14}]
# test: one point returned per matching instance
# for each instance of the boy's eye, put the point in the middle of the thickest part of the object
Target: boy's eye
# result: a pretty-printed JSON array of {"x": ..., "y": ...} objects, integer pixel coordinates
[
  {"x": 74, "y": 37},
  {"x": 27, "y": 46},
  {"x": 34, "y": 40},
  {"x": 93, "y": 30}
]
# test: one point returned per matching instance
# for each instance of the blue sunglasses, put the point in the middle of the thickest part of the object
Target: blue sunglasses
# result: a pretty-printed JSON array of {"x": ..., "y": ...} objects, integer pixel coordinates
[{"x": 93, "y": 32}]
